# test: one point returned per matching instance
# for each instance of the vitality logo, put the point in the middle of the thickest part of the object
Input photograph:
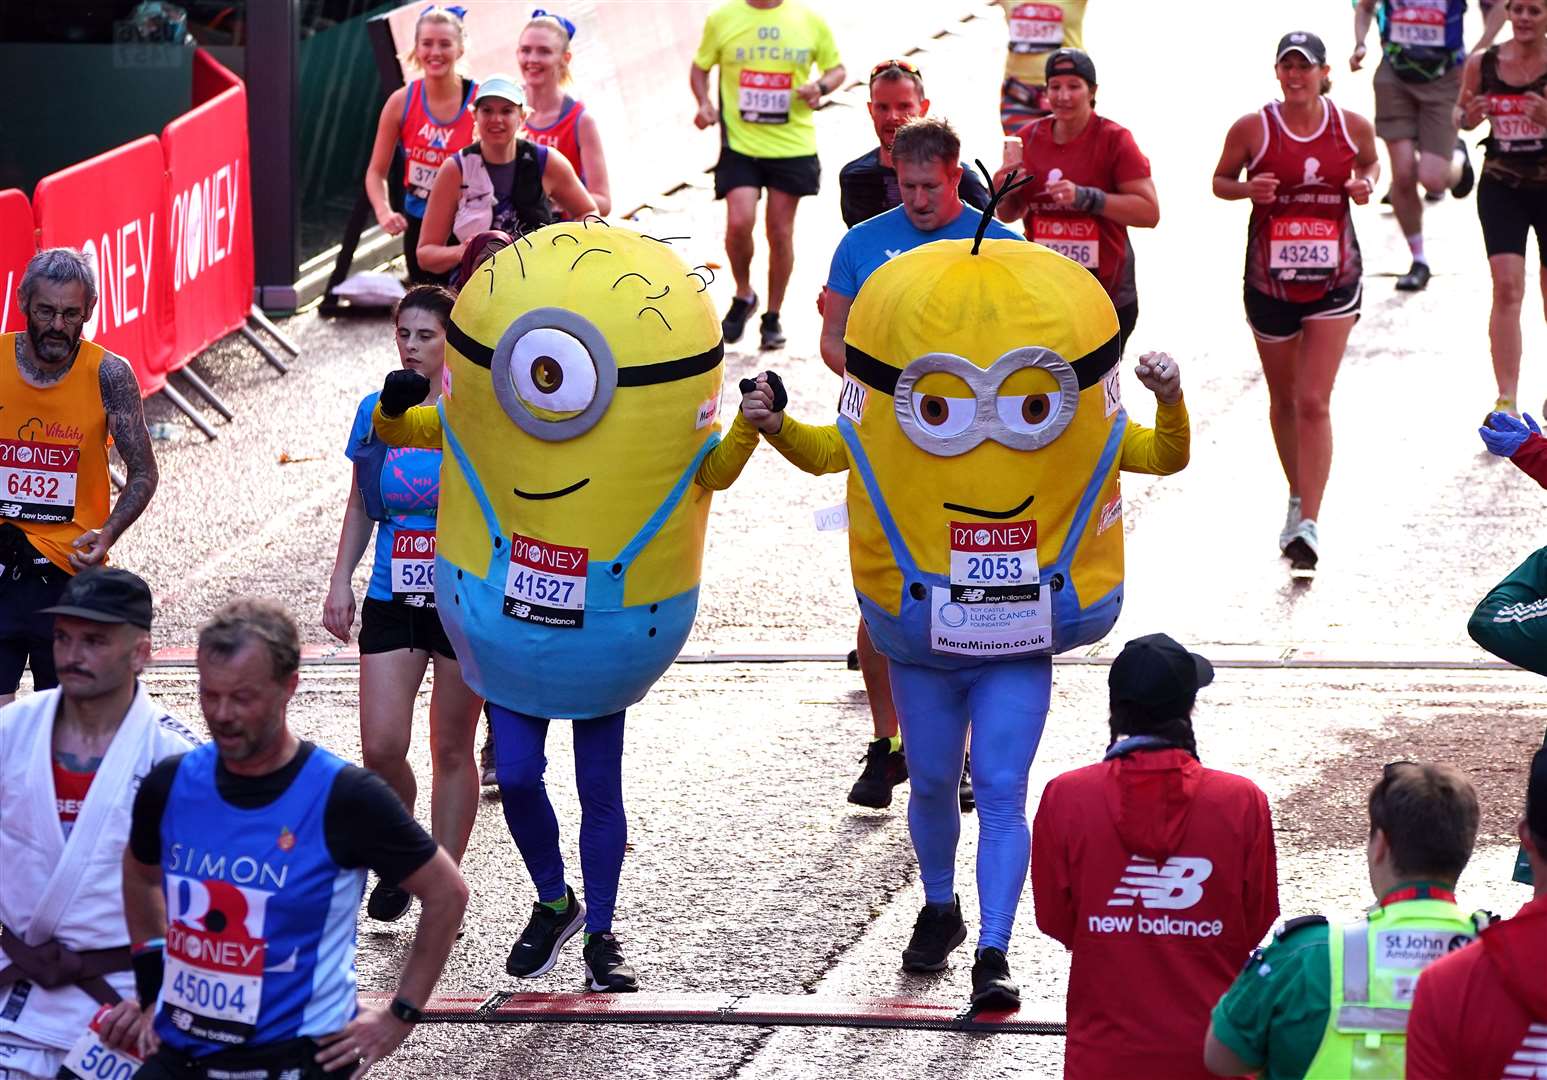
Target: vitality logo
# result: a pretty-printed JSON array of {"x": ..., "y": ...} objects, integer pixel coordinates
[{"x": 1172, "y": 885}]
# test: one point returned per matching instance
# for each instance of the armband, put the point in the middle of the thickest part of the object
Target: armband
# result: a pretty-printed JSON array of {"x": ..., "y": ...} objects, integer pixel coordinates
[
  {"x": 1089, "y": 198},
  {"x": 405, "y": 1012},
  {"x": 149, "y": 963}
]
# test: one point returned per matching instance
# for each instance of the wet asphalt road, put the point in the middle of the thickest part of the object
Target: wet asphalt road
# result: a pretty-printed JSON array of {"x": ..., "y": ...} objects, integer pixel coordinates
[{"x": 748, "y": 872}]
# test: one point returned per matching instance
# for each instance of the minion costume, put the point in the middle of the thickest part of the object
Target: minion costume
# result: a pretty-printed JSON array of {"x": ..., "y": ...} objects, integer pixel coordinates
[
  {"x": 982, "y": 428},
  {"x": 580, "y": 424}
]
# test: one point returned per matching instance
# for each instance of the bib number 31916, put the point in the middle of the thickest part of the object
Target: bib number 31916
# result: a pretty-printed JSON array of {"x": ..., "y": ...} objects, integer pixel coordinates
[{"x": 545, "y": 583}]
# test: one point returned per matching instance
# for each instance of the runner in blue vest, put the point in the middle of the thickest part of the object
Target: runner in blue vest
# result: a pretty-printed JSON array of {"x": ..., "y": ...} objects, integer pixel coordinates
[{"x": 243, "y": 879}]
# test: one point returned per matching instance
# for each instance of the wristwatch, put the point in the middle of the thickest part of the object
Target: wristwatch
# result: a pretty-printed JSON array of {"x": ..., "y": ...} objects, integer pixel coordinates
[{"x": 405, "y": 1012}]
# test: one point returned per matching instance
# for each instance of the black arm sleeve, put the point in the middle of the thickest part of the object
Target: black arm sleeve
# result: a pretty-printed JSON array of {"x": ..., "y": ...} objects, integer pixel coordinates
[
  {"x": 366, "y": 825},
  {"x": 150, "y": 802},
  {"x": 971, "y": 188}
]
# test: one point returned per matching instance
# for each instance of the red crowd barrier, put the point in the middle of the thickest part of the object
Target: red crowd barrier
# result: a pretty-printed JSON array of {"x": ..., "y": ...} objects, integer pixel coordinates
[
  {"x": 209, "y": 215},
  {"x": 18, "y": 241},
  {"x": 114, "y": 208}
]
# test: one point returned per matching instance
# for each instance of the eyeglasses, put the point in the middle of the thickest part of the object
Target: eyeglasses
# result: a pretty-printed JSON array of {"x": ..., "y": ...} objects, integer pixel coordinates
[
  {"x": 904, "y": 65},
  {"x": 46, "y": 314}
]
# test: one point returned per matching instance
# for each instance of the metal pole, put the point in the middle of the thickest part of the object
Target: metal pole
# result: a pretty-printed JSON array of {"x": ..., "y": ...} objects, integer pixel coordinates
[
  {"x": 206, "y": 393},
  {"x": 268, "y": 353},
  {"x": 187, "y": 409},
  {"x": 256, "y": 315}
]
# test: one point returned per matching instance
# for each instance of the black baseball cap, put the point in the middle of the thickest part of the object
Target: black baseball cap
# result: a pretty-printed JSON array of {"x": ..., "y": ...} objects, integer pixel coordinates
[
  {"x": 1155, "y": 669},
  {"x": 1305, "y": 43},
  {"x": 106, "y": 595},
  {"x": 1071, "y": 62},
  {"x": 1536, "y": 793}
]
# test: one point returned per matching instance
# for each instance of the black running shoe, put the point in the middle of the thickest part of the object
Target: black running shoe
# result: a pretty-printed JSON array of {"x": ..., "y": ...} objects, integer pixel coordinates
[
  {"x": 388, "y": 903},
  {"x": 772, "y": 333},
  {"x": 936, "y": 932},
  {"x": 853, "y": 660},
  {"x": 735, "y": 322},
  {"x": 992, "y": 988},
  {"x": 1416, "y": 279},
  {"x": 964, "y": 792},
  {"x": 486, "y": 774},
  {"x": 537, "y": 949},
  {"x": 885, "y": 768},
  {"x": 606, "y": 970},
  {"x": 1463, "y": 186}
]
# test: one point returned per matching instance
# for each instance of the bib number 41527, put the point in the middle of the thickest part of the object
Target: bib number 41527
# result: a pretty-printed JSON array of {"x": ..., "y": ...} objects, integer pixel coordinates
[{"x": 545, "y": 583}]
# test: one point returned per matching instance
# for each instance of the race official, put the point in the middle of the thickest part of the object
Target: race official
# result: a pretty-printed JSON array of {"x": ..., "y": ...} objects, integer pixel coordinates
[
  {"x": 62, "y": 400},
  {"x": 243, "y": 878},
  {"x": 1158, "y": 874},
  {"x": 1482, "y": 1011},
  {"x": 1331, "y": 1000},
  {"x": 70, "y": 761}
]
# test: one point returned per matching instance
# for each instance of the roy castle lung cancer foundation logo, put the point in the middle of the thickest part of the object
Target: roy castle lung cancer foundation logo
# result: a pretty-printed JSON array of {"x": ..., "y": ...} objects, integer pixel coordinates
[{"x": 1173, "y": 885}]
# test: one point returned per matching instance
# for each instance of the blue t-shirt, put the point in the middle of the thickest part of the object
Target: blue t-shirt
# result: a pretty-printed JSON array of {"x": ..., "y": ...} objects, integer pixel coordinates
[
  {"x": 865, "y": 248},
  {"x": 1415, "y": 34},
  {"x": 410, "y": 491}
]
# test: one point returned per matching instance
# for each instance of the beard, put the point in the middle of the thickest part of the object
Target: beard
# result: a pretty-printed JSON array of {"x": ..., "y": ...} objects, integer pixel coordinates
[{"x": 52, "y": 346}]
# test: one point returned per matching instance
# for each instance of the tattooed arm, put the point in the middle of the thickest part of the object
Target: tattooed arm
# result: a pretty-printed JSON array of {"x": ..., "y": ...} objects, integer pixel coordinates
[{"x": 126, "y": 423}]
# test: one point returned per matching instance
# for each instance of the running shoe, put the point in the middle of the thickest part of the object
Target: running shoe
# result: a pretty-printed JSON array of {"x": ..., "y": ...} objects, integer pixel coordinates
[
  {"x": 537, "y": 949},
  {"x": 936, "y": 932},
  {"x": 771, "y": 332},
  {"x": 735, "y": 322},
  {"x": 1416, "y": 279},
  {"x": 964, "y": 793},
  {"x": 388, "y": 903},
  {"x": 1503, "y": 405},
  {"x": 1302, "y": 549},
  {"x": 992, "y": 988},
  {"x": 853, "y": 660},
  {"x": 885, "y": 768},
  {"x": 486, "y": 774},
  {"x": 1463, "y": 186},
  {"x": 1291, "y": 519},
  {"x": 606, "y": 970}
]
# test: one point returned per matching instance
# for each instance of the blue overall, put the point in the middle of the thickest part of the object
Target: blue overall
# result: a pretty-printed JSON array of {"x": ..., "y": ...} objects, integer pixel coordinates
[
  {"x": 597, "y": 669},
  {"x": 1003, "y": 701}
]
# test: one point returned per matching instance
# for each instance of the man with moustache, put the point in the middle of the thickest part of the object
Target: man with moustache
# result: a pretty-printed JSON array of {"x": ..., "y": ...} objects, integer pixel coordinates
[{"x": 62, "y": 400}]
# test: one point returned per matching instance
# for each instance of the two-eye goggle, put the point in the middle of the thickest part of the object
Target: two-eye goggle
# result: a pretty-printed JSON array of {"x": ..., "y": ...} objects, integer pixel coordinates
[
  {"x": 555, "y": 375},
  {"x": 950, "y": 426}
]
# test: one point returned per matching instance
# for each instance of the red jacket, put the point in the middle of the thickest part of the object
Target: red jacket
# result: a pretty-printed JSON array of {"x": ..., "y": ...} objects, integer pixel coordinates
[
  {"x": 1532, "y": 458},
  {"x": 1482, "y": 1009},
  {"x": 1160, "y": 876}
]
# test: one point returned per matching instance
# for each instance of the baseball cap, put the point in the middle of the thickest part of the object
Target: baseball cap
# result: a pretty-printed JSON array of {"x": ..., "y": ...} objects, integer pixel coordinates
[
  {"x": 1305, "y": 43},
  {"x": 1071, "y": 62},
  {"x": 501, "y": 86},
  {"x": 1155, "y": 669},
  {"x": 106, "y": 595},
  {"x": 1536, "y": 793}
]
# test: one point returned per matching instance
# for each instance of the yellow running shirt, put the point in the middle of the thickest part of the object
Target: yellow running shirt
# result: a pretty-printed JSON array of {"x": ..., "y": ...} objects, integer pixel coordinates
[
  {"x": 763, "y": 56},
  {"x": 1036, "y": 29}
]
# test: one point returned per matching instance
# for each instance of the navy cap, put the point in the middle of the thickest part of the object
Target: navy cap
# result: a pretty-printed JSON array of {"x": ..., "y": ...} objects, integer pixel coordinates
[
  {"x": 1071, "y": 62},
  {"x": 1155, "y": 670},
  {"x": 105, "y": 595},
  {"x": 1305, "y": 43}
]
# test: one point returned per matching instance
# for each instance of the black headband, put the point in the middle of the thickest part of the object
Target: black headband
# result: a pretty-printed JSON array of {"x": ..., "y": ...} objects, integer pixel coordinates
[
  {"x": 881, "y": 376},
  {"x": 638, "y": 375}
]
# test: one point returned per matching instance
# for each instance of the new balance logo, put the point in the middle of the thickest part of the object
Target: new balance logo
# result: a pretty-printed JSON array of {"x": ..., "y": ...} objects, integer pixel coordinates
[
  {"x": 1531, "y": 1059},
  {"x": 1172, "y": 885}
]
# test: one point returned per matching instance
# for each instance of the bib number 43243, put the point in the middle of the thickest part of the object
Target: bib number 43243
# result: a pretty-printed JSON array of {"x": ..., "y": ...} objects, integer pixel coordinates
[{"x": 1303, "y": 249}]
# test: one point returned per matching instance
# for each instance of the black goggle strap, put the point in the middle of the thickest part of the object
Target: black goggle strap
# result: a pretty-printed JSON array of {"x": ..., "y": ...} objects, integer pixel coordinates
[
  {"x": 639, "y": 375},
  {"x": 882, "y": 377}
]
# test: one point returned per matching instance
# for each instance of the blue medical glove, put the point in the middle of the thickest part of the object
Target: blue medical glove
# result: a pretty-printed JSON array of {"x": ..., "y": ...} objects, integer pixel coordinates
[{"x": 1504, "y": 434}]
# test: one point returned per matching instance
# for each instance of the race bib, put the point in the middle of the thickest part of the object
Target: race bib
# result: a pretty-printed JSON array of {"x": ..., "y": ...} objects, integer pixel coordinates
[
  {"x": 1513, "y": 129},
  {"x": 994, "y": 604},
  {"x": 851, "y": 399},
  {"x": 1414, "y": 27},
  {"x": 765, "y": 96},
  {"x": 1036, "y": 28},
  {"x": 90, "y": 1059},
  {"x": 546, "y": 583},
  {"x": 213, "y": 981},
  {"x": 1077, "y": 238},
  {"x": 993, "y": 562},
  {"x": 421, "y": 177},
  {"x": 1303, "y": 249},
  {"x": 37, "y": 480},
  {"x": 413, "y": 567}
]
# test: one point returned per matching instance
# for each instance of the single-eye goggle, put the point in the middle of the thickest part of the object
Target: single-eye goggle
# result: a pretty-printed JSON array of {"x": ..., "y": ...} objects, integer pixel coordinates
[
  {"x": 554, "y": 373},
  {"x": 948, "y": 427}
]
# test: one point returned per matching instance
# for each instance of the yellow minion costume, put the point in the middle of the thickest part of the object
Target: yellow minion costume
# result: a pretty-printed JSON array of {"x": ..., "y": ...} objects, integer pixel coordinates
[
  {"x": 580, "y": 423},
  {"x": 982, "y": 427}
]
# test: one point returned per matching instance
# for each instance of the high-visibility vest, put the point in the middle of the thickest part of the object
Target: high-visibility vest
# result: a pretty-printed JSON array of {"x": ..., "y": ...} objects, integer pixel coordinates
[{"x": 1376, "y": 962}]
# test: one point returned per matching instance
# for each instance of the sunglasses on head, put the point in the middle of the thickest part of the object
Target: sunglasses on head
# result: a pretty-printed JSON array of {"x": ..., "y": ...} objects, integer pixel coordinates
[{"x": 902, "y": 65}]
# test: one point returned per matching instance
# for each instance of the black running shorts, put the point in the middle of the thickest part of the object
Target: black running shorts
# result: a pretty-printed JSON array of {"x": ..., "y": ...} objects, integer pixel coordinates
[
  {"x": 388, "y": 625},
  {"x": 1272, "y": 319},
  {"x": 1508, "y": 214},
  {"x": 798, "y": 176}
]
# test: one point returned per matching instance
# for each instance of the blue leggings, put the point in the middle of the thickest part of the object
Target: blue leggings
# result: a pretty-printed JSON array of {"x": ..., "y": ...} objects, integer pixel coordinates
[
  {"x": 1005, "y": 703},
  {"x": 519, "y": 764}
]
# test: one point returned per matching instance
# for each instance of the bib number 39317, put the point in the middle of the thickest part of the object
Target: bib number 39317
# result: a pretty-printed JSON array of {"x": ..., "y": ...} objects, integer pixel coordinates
[
  {"x": 413, "y": 567},
  {"x": 1036, "y": 28},
  {"x": 90, "y": 1059},
  {"x": 765, "y": 96},
  {"x": 995, "y": 604},
  {"x": 546, "y": 583}
]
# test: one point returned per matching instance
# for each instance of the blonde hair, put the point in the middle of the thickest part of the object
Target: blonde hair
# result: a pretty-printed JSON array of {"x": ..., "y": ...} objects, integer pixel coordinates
[
  {"x": 548, "y": 22},
  {"x": 435, "y": 13}
]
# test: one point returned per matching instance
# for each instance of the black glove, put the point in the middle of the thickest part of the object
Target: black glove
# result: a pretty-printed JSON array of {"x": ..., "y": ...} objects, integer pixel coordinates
[
  {"x": 401, "y": 391},
  {"x": 776, "y": 384}
]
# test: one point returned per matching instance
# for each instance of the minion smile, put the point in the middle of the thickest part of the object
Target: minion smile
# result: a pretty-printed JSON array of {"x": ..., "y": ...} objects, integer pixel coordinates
[
  {"x": 559, "y": 494},
  {"x": 997, "y": 515}
]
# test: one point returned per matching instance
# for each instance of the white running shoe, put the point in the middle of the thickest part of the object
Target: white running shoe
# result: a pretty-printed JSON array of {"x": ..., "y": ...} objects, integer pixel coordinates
[
  {"x": 1303, "y": 549},
  {"x": 1291, "y": 520}
]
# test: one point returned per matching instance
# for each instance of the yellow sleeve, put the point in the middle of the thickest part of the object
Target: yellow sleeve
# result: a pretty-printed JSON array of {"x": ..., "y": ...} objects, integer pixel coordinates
[
  {"x": 1161, "y": 450},
  {"x": 418, "y": 427},
  {"x": 708, "y": 54},
  {"x": 816, "y": 450},
  {"x": 722, "y": 465}
]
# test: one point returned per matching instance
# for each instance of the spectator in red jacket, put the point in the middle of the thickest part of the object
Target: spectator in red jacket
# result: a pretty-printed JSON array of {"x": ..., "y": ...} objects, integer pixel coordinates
[
  {"x": 1157, "y": 873},
  {"x": 1511, "y": 621},
  {"x": 1482, "y": 1010}
]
